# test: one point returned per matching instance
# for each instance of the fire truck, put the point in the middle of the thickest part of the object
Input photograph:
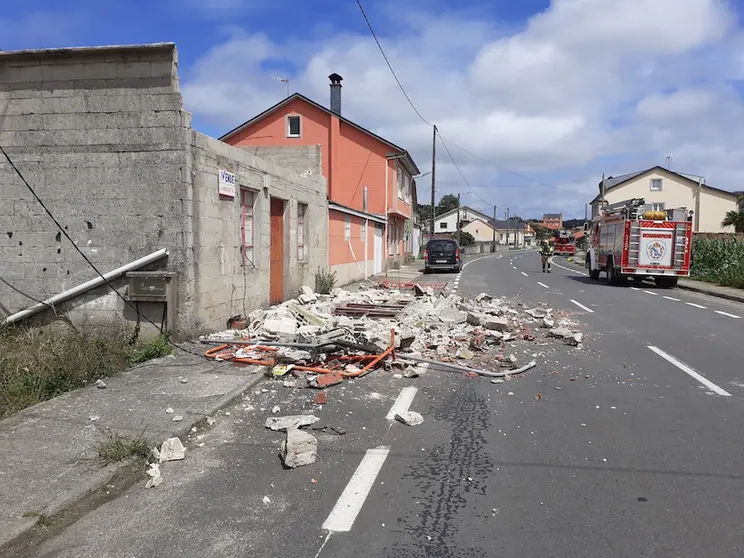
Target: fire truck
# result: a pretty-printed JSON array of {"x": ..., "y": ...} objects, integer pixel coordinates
[
  {"x": 628, "y": 239},
  {"x": 563, "y": 244}
]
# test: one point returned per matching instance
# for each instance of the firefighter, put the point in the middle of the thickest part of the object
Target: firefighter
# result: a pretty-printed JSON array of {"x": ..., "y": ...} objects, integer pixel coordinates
[{"x": 545, "y": 253}]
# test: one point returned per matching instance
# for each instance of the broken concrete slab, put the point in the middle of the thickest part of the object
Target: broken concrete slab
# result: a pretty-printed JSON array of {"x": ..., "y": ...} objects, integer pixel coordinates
[
  {"x": 538, "y": 313},
  {"x": 280, "y": 424},
  {"x": 475, "y": 318},
  {"x": 172, "y": 450},
  {"x": 496, "y": 324},
  {"x": 548, "y": 322},
  {"x": 452, "y": 316},
  {"x": 560, "y": 333},
  {"x": 410, "y": 418},
  {"x": 299, "y": 448},
  {"x": 100, "y": 384},
  {"x": 483, "y": 297},
  {"x": 156, "y": 479}
]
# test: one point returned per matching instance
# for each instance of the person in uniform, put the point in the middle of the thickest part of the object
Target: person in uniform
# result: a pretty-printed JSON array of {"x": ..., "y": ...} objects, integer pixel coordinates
[{"x": 545, "y": 253}]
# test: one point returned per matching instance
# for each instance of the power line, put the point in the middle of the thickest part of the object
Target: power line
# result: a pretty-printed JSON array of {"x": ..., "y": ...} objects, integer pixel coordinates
[
  {"x": 458, "y": 170},
  {"x": 79, "y": 251},
  {"x": 390, "y": 67}
]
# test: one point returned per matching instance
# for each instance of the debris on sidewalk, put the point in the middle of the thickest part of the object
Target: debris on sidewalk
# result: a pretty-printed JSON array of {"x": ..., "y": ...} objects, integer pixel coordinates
[
  {"x": 171, "y": 450},
  {"x": 296, "y": 421},
  {"x": 410, "y": 418},
  {"x": 100, "y": 384},
  {"x": 299, "y": 448},
  {"x": 156, "y": 479}
]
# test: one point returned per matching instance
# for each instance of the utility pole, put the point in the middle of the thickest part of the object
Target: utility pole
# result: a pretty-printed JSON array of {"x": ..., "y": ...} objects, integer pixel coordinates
[
  {"x": 508, "y": 228},
  {"x": 493, "y": 242},
  {"x": 458, "y": 218},
  {"x": 433, "y": 183},
  {"x": 601, "y": 203}
]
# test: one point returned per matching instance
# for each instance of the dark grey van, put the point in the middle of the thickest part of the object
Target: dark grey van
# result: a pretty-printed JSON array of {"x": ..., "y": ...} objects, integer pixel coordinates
[{"x": 442, "y": 254}]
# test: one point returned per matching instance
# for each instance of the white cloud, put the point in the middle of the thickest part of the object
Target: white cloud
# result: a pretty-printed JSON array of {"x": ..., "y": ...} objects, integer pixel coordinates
[{"x": 576, "y": 87}]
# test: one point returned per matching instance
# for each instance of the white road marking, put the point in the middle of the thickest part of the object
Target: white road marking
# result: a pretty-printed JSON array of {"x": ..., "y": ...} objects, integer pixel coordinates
[
  {"x": 354, "y": 495},
  {"x": 635, "y": 289},
  {"x": 729, "y": 315},
  {"x": 523, "y": 273},
  {"x": 696, "y": 305},
  {"x": 543, "y": 285},
  {"x": 404, "y": 400},
  {"x": 672, "y": 298},
  {"x": 582, "y": 306},
  {"x": 514, "y": 266},
  {"x": 687, "y": 370},
  {"x": 651, "y": 293},
  {"x": 567, "y": 268}
]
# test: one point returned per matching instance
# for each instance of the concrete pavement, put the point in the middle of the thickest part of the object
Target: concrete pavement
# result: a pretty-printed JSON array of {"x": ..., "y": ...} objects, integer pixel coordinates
[{"x": 614, "y": 449}]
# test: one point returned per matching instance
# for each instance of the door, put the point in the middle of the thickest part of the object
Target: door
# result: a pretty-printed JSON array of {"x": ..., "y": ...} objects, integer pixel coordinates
[
  {"x": 378, "y": 250},
  {"x": 276, "y": 272}
]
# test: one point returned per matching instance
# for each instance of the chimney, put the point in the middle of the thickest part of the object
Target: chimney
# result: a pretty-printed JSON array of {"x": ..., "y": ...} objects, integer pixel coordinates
[{"x": 336, "y": 93}]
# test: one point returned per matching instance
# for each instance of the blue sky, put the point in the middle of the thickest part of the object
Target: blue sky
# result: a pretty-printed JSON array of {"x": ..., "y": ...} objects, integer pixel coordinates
[{"x": 557, "y": 92}]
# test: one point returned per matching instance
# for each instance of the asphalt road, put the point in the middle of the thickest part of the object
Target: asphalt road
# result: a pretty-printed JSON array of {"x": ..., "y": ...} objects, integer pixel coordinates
[{"x": 628, "y": 447}]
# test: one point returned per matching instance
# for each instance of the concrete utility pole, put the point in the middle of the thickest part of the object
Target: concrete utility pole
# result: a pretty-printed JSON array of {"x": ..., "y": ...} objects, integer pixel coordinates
[
  {"x": 493, "y": 242},
  {"x": 433, "y": 183},
  {"x": 601, "y": 203},
  {"x": 458, "y": 218},
  {"x": 508, "y": 228}
]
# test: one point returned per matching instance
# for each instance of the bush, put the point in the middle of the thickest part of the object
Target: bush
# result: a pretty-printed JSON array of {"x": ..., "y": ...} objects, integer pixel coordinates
[
  {"x": 718, "y": 260},
  {"x": 325, "y": 281}
]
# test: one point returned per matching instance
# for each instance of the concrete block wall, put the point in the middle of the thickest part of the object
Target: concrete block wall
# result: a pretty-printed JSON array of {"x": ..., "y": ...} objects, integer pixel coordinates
[
  {"x": 305, "y": 160},
  {"x": 223, "y": 285},
  {"x": 101, "y": 136}
]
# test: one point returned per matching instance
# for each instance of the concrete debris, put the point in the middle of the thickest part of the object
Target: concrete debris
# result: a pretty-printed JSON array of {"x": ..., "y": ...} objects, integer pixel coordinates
[
  {"x": 352, "y": 368},
  {"x": 94, "y": 418},
  {"x": 410, "y": 418},
  {"x": 495, "y": 323},
  {"x": 412, "y": 372},
  {"x": 326, "y": 380},
  {"x": 419, "y": 291},
  {"x": 177, "y": 418},
  {"x": 156, "y": 479},
  {"x": 289, "y": 384},
  {"x": 172, "y": 450},
  {"x": 210, "y": 421},
  {"x": 548, "y": 322},
  {"x": 398, "y": 376},
  {"x": 299, "y": 448},
  {"x": 483, "y": 297},
  {"x": 100, "y": 384},
  {"x": 475, "y": 319},
  {"x": 169, "y": 411},
  {"x": 275, "y": 409},
  {"x": 266, "y": 500},
  {"x": 452, "y": 316},
  {"x": 539, "y": 313},
  {"x": 183, "y": 380},
  {"x": 279, "y": 424},
  {"x": 465, "y": 354},
  {"x": 497, "y": 381}
]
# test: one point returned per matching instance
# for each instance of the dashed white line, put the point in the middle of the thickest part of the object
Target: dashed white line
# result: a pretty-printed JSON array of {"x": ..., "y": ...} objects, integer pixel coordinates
[
  {"x": 543, "y": 285},
  {"x": 582, "y": 306},
  {"x": 651, "y": 293},
  {"x": 672, "y": 298},
  {"x": 404, "y": 400},
  {"x": 729, "y": 315},
  {"x": 687, "y": 370},
  {"x": 523, "y": 273},
  {"x": 514, "y": 266},
  {"x": 634, "y": 289},
  {"x": 696, "y": 305},
  {"x": 354, "y": 495}
]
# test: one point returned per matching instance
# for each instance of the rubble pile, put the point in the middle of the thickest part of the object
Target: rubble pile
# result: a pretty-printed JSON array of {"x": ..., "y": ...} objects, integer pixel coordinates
[{"x": 328, "y": 338}]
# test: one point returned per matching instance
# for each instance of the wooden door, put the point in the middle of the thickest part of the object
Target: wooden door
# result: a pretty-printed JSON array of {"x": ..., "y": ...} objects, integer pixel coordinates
[{"x": 276, "y": 273}]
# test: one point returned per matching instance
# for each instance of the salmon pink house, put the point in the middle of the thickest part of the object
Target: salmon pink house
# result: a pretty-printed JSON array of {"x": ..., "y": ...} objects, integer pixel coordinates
[{"x": 371, "y": 190}]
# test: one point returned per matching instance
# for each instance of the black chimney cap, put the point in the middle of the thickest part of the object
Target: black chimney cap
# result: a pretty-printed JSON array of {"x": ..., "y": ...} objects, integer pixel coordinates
[{"x": 335, "y": 79}]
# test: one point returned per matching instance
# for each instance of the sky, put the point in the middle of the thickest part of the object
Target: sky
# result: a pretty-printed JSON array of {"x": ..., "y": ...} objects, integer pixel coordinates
[{"x": 544, "y": 96}]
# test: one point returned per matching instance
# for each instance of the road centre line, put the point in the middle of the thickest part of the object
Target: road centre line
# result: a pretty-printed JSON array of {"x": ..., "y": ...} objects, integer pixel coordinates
[
  {"x": 523, "y": 273},
  {"x": 582, "y": 306},
  {"x": 350, "y": 503},
  {"x": 634, "y": 289},
  {"x": 651, "y": 293},
  {"x": 672, "y": 298},
  {"x": 543, "y": 285},
  {"x": 727, "y": 314},
  {"x": 687, "y": 370},
  {"x": 696, "y": 305},
  {"x": 403, "y": 402}
]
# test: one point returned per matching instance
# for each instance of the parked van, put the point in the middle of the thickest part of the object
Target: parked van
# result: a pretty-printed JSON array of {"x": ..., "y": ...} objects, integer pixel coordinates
[{"x": 442, "y": 254}]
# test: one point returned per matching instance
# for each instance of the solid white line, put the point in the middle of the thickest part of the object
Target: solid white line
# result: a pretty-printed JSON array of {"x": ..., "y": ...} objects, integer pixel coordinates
[
  {"x": 729, "y": 315},
  {"x": 523, "y": 273},
  {"x": 543, "y": 285},
  {"x": 582, "y": 306},
  {"x": 352, "y": 499},
  {"x": 567, "y": 268},
  {"x": 687, "y": 370},
  {"x": 404, "y": 400},
  {"x": 696, "y": 305},
  {"x": 651, "y": 293},
  {"x": 672, "y": 298}
]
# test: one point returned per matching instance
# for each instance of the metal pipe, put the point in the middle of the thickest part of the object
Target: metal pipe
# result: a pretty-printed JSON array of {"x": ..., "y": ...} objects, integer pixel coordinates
[
  {"x": 88, "y": 285},
  {"x": 459, "y": 368}
]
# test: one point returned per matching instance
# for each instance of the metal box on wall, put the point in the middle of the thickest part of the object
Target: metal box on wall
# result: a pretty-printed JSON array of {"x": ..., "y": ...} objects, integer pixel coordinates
[{"x": 155, "y": 287}]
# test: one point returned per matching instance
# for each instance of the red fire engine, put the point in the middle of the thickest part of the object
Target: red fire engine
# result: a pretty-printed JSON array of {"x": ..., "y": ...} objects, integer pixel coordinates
[
  {"x": 564, "y": 244},
  {"x": 629, "y": 240}
]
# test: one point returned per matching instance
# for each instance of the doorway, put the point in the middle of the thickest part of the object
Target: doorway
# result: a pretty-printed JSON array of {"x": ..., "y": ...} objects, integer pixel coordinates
[
  {"x": 276, "y": 271},
  {"x": 377, "y": 265}
]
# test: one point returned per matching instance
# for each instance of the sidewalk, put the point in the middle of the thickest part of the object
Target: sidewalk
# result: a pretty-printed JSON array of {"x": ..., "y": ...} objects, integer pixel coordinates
[
  {"x": 48, "y": 452},
  {"x": 729, "y": 293}
]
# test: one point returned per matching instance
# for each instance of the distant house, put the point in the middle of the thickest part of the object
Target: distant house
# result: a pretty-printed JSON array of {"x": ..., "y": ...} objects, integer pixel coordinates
[
  {"x": 371, "y": 187},
  {"x": 664, "y": 189},
  {"x": 482, "y": 227},
  {"x": 553, "y": 221}
]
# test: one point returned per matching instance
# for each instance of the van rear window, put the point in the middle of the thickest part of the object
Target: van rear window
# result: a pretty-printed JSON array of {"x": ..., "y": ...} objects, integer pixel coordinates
[{"x": 442, "y": 246}]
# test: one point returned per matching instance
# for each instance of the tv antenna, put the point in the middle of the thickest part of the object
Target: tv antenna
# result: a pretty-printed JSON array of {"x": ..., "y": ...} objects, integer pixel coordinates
[{"x": 284, "y": 80}]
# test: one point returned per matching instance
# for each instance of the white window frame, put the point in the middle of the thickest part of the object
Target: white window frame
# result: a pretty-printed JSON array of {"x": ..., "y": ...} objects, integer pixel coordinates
[
  {"x": 302, "y": 232},
  {"x": 400, "y": 181},
  {"x": 347, "y": 227},
  {"x": 658, "y": 181},
  {"x": 658, "y": 206},
  {"x": 407, "y": 192},
  {"x": 248, "y": 226},
  {"x": 443, "y": 225},
  {"x": 289, "y": 126}
]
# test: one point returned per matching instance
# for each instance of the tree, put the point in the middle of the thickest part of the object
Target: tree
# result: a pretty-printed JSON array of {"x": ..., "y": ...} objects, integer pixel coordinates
[
  {"x": 734, "y": 219},
  {"x": 447, "y": 203},
  {"x": 466, "y": 239}
]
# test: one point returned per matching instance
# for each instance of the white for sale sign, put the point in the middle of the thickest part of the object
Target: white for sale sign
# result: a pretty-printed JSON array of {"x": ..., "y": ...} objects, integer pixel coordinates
[{"x": 656, "y": 248}]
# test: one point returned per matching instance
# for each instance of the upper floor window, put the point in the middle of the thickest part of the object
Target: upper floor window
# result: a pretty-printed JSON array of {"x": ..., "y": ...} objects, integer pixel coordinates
[
  {"x": 293, "y": 126},
  {"x": 443, "y": 225},
  {"x": 656, "y": 184},
  {"x": 657, "y": 207}
]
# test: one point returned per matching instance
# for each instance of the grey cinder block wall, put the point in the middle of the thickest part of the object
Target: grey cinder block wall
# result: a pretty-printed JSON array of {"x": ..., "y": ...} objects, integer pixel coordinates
[{"x": 102, "y": 136}]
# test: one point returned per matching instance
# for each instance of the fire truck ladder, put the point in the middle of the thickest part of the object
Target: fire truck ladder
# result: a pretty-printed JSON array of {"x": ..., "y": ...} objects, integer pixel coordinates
[{"x": 681, "y": 248}]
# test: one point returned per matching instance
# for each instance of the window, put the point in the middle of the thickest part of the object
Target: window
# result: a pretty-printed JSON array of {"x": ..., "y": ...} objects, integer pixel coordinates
[
  {"x": 400, "y": 182},
  {"x": 398, "y": 236},
  {"x": 407, "y": 188},
  {"x": 364, "y": 200},
  {"x": 247, "y": 199},
  {"x": 657, "y": 207},
  {"x": 293, "y": 126},
  {"x": 301, "y": 232},
  {"x": 443, "y": 225},
  {"x": 656, "y": 184},
  {"x": 347, "y": 228},
  {"x": 363, "y": 233}
]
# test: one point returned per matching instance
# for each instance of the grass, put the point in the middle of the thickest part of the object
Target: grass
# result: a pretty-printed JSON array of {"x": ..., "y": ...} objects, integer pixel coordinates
[
  {"x": 37, "y": 364},
  {"x": 325, "y": 281},
  {"x": 718, "y": 260},
  {"x": 116, "y": 448}
]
